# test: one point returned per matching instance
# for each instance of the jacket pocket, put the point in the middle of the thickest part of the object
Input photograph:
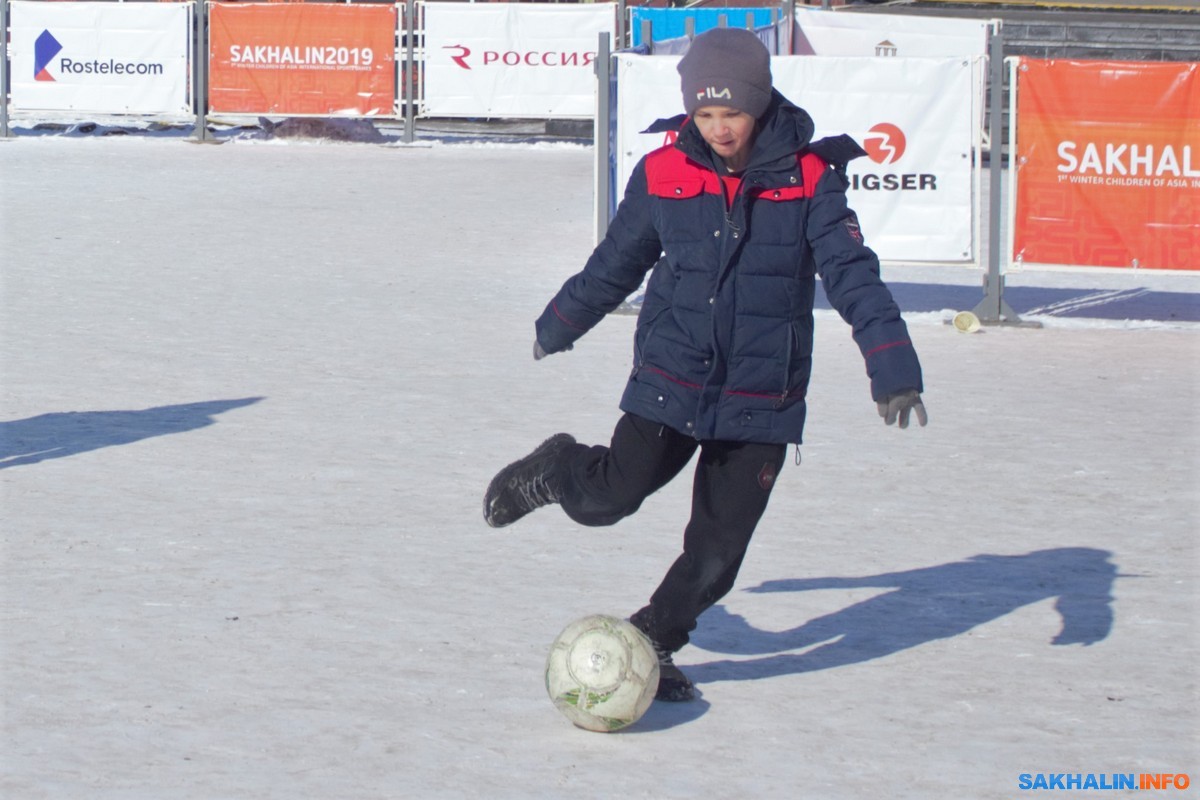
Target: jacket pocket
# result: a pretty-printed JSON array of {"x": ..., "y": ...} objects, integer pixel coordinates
[
  {"x": 650, "y": 395},
  {"x": 641, "y": 336},
  {"x": 682, "y": 214},
  {"x": 752, "y": 418},
  {"x": 781, "y": 195},
  {"x": 676, "y": 188},
  {"x": 776, "y": 216}
]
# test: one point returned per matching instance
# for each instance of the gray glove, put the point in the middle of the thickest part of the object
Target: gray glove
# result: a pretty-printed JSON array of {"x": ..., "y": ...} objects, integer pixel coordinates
[
  {"x": 539, "y": 353},
  {"x": 899, "y": 405}
]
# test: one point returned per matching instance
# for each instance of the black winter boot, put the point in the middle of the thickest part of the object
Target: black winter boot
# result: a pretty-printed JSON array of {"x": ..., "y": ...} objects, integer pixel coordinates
[
  {"x": 525, "y": 484},
  {"x": 673, "y": 685}
]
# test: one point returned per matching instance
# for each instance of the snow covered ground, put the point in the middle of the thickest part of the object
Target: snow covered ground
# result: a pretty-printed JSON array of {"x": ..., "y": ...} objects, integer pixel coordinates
[{"x": 250, "y": 395}]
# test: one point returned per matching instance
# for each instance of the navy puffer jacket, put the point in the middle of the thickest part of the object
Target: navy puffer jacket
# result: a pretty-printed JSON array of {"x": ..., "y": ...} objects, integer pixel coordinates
[{"x": 723, "y": 347}]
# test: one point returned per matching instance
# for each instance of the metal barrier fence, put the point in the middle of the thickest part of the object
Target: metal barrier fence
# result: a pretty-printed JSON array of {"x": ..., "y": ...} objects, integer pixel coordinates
[{"x": 418, "y": 59}]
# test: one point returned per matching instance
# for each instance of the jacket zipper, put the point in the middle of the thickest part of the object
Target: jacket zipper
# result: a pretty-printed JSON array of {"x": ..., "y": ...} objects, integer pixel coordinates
[
  {"x": 737, "y": 232},
  {"x": 787, "y": 365},
  {"x": 639, "y": 355}
]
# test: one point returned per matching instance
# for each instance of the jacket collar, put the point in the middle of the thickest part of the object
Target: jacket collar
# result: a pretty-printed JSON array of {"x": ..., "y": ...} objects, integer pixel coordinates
[{"x": 783, "y": 130}]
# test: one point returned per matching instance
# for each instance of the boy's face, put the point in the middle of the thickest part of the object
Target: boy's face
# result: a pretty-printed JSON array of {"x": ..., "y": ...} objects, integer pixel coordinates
[{"x": 729, "y": 132}]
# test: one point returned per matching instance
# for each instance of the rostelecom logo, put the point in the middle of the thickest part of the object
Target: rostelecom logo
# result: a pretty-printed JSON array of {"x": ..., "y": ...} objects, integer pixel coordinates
[
  {"x": 884, "y": 143},
  {"x": 461, "y": 57},
  {"x": 45, "y": 48}
]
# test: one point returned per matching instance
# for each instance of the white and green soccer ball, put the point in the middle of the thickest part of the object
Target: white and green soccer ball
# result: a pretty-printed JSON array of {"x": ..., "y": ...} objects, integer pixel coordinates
[{"x": 602, "y": 673}]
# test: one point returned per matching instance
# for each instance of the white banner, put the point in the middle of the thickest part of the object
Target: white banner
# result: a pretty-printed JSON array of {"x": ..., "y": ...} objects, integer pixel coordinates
[
  {"x": 829, "y": 33},
  {"x": 913, "y": 194},
  {"x": 512, "y": 60},
  {"x": 100, "y": 57}
]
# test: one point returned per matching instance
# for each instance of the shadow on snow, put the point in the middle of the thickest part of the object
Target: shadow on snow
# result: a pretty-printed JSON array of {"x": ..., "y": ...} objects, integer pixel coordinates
[
  {"x": 924, "y": 605},
  {"x": 28, "y": 441}
]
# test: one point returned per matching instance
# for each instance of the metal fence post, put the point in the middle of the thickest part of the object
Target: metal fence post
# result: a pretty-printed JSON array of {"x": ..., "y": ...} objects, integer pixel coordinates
[
  {"x": 4, "y": 69},
  {"x": 200, "y": 73},
  {"x": 410, "y": 113},
  {"x": 603, "y": 70},
  {"x": 789, "y": 13},
  {"x": 993, "y": 309},
  {"x": 622, "y": 11}
]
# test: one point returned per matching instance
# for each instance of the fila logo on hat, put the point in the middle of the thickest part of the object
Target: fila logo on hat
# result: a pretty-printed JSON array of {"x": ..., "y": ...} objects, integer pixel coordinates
[{"x": 713, "y": 93}]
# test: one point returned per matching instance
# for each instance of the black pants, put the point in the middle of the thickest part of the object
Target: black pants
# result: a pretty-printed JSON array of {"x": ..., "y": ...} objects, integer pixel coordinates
[{"x": 732, "y": 483}]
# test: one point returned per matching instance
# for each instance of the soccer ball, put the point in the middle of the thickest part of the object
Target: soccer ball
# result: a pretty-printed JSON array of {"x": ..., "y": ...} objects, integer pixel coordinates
[{"x": 602, "y": 673}]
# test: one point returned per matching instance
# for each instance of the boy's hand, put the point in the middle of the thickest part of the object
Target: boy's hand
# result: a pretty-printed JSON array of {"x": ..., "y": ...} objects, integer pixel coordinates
[{"x": 899, "y": 405}]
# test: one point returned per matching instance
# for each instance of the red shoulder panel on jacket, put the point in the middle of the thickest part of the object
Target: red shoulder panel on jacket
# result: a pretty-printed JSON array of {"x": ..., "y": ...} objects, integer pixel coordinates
[
  {"x": 812, "y": 167},
  {"x": 671, "y": 174}
]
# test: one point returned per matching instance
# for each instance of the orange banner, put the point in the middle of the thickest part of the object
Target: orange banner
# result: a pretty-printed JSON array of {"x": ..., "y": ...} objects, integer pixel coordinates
[
  {"x": 321, "y": 59},
  {"x": 1108, "y": 164}
]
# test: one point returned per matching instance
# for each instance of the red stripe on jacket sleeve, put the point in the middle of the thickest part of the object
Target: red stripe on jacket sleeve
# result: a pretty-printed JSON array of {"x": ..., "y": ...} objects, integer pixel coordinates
[
  {"x": 887, "y": 346},
  {"x": 565, "y": 321}
]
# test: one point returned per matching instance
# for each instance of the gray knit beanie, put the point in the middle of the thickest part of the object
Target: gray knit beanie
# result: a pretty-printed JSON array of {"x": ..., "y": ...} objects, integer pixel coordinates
[{"x": 726, "y": 67}]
